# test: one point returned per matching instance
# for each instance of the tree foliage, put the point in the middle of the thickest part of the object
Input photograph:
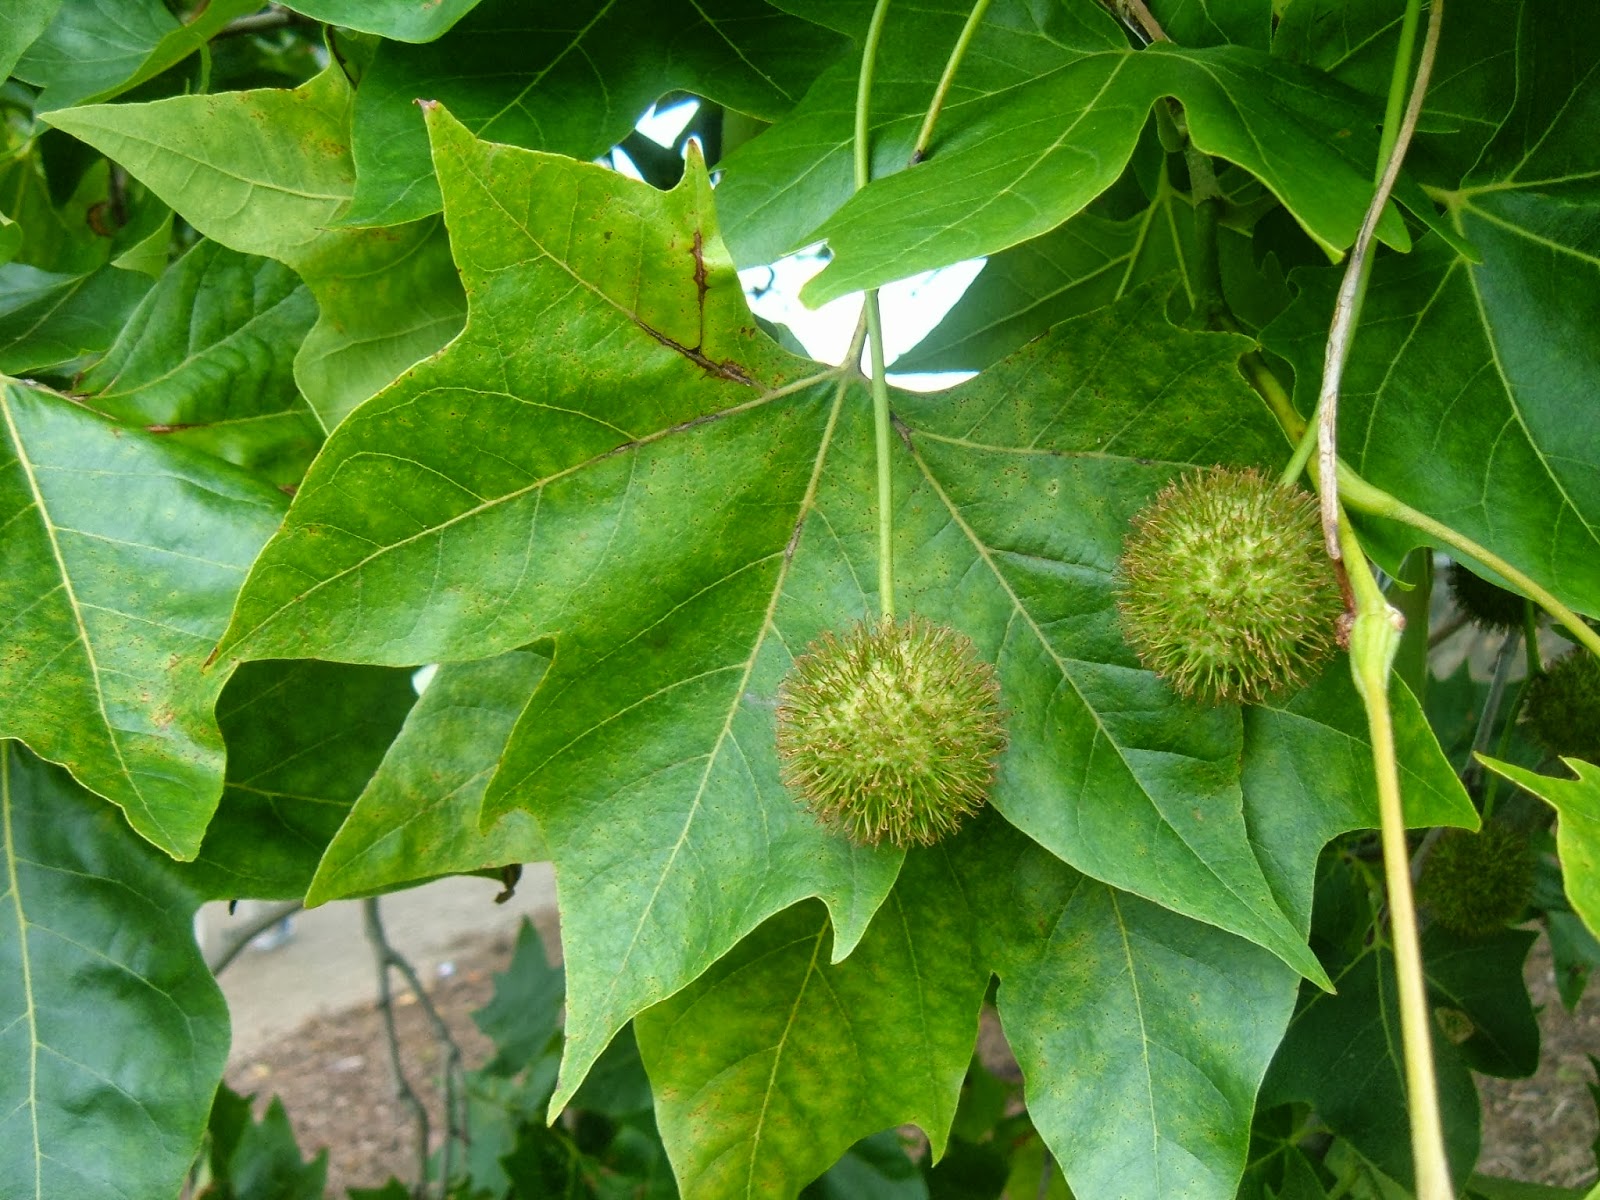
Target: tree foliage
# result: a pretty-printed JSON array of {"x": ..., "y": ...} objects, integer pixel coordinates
[{"x": 339, "y": 343}]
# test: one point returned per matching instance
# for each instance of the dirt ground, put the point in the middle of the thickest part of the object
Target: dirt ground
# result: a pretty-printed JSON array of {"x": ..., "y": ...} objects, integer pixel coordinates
[{"x": 333, "y": 1076}]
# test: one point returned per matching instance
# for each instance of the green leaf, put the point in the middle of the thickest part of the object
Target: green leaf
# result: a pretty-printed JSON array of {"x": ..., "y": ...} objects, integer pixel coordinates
[
  {"x": 1011, "y": 172},
  {"x": 97, "y": 49},
  {"x": 771, "y": 1064},
  {"x": 115, "y": 1034},
  {"x": 1479, "y": 996},
  {"x": 1217, "y": 22},
  {"x": 21, "y": 23},
  {"x": 51, "y": 320},
  {"x": 570, "y": 76},
  {"x": 1000, "y": 461},
  {"x": 1467, "y": 394},
  {"x": 1341, "y": 1055},
  {"x": 1577, "y": 803},
  {"x": 304, "y": 739},
  {"x": 206, "y": 360},
  {"x": 1085, "y": 264},
  {"x": 606, "y": 461},
  {"x": 268, "y": 172},
  {"x": 1308, "y": 778},
  {"x": 1142, "y": 1035},
  {"x": 123, "y": 553},
  {"x": 402, "y": 20},
  {"x": 418, "y": 817},
  {"x": 875, "y": 1168},
  {"x": 778, "y": 188},
  {"x": 525, "y": 1011},
  {"x": 266, "y": 1165}
]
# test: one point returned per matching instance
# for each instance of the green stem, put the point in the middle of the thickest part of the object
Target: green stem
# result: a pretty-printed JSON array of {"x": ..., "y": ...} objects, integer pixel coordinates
[
  {"x": 925, "y": 134},
  {"x": 869, "y": 62},
  {"x": 1364, "y": 497},
  {"x": 1353, "y": 294},
  {"x": 880, "y": 384},
  {"x": 880, "y": 423},
  {"x": 1530, "y": 639},
  {"x": 1415, "y": 604},
  {"x": 1374, "y": 639}
]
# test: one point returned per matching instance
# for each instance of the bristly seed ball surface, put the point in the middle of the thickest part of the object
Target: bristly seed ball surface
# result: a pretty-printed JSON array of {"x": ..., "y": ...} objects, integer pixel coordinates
[
  {"x": 891, "y": 732},
  {"x": 1476, "y": 883},
  {"x": 1562, "y": 711},
  {"x": 1224, "y": 588},
  {"x": 1489, "y": 605}
]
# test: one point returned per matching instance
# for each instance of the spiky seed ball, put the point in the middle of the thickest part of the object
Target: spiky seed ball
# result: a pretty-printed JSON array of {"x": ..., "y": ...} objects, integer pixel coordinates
[
  {"x": 1488, "y": 604},
  {"x": 891, "y": 732},
  {"x": 1224, "y": 588},
  {"x": 1474, "y": 883},
  {"x": 1563, "y": 706}
]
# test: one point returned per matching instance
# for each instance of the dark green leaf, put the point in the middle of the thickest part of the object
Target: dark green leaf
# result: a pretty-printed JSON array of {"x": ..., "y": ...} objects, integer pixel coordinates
[
  {"x": 303, "y": 740},
  {"x": 49, "y": 320},
  {"x": 1481, "y": 1001},
  {"x": 21, "y": 23},
  {"x": 418, "y": 817},
  {"x": 875, "y": 1168},
  {"x": 569, "y": 76},
  {"x": 1217, "y": 22},
  {"x": 97, "y": 49},
  {"x": 122, "y": 553},
  {"x": 266, "y": 1164},
  {"x": 525, "y": 1011},
  {"x": 1010, "y": 171},
  {"x": 206, "y": 358},
  {"x": 114, "y": 1033},
  {"x": 1342, "y": 1055},
  {"x": 1142, "y": 1035},
  {"x": 403, "y": 20},
  {"x": 268, "y": 172},
  {"x": 771, "y": 1064}
]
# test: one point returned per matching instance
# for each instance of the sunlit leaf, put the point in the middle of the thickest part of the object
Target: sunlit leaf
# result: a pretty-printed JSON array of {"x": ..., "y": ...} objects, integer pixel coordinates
[{"x": 1577, "y": 803}]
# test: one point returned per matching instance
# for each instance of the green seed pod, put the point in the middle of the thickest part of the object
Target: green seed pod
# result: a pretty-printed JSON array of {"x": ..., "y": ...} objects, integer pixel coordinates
[
  {"x": 1488, "y": 604},
  {"x": 1474, "y": 883},
  {"x": 1562, "y": 710},
  {"x": 1224, "y": 588},
  {"x": 891, "y": 733}
]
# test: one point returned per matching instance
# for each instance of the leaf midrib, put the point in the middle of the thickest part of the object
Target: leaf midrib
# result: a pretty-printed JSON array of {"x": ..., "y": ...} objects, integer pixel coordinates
[{"x": 25, "y": 462}]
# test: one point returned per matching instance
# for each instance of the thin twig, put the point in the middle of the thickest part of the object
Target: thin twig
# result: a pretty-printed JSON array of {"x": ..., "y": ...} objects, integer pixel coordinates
[
  {"x": 276, "y": 17},
  {"x": 230, "y": 949},
  {"x": 1347, "y": 304},
  {"x": 1447, "y": 629},
  {"x": 383, "y": 953},
  {"x": 1142, "y": 15}
]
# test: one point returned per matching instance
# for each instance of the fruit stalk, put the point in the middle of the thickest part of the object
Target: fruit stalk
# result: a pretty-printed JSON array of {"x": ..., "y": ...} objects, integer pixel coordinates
[{"x": 880, "y": 385}]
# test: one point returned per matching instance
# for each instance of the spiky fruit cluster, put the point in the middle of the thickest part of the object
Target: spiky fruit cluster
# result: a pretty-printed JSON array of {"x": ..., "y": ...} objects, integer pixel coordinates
[
  {"x": 1562, "y": 710},
  {"x": 1488, "y": 604},
  {"x": 1474, "y": 883},
  {"x": 891, "y": 732},
  {"x": 1224, "y": 588}
]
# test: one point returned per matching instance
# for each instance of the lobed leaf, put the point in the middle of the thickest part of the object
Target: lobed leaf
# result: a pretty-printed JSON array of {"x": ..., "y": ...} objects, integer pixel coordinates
[
  {"x": 1577, "y": 803},
  {"x": 269, "y": 172},
  {"x": 567, "y": 76},
  {"x": 123, "y": 553},
  {"x": 206, "y": 359},
  {"x": 771, "y": 1064}
]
